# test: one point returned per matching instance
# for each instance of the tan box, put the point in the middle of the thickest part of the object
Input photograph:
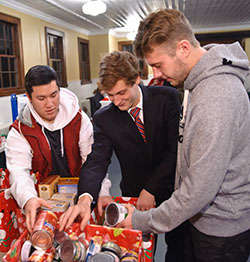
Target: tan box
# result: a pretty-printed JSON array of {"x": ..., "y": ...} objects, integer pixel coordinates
[
  {"x": 57, "y": 205},
  {"x": 68, "y": 185},
  {"x": 48, "y": 187},
  {"x": 69, "y": 197}
]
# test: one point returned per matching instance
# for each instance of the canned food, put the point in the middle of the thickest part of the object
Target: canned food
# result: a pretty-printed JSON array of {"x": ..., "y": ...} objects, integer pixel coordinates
[
  {"x": 112, "y": 247},
  {"x": 94, "y": 247},
  {"x": 40, "y": 255},
  {"x": 115, "y": 213},
  {"x": 72, "y": 251},
  {"x": 43, "y": 234},
  {"x": 129, "y": 259},
  {"x": 59, "y": 237},
  {"x": 26, "y": 251},
  {"x": 130, "y": 253},
  {"x": 103, "y": 257}
]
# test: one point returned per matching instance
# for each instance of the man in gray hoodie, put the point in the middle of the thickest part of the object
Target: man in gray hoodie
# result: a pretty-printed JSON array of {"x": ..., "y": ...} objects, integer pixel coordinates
[{"x": 212, "y": 188}]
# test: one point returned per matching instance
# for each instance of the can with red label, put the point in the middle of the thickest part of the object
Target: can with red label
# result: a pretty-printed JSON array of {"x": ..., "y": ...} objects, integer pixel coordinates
[{"x": 44, "y": 230}]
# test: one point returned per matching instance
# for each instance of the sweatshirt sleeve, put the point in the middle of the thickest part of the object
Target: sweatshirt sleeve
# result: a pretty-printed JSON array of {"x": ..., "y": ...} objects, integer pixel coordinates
[
  {"x": 85, "y": 137},
  {"x": 18, "y": 160}
]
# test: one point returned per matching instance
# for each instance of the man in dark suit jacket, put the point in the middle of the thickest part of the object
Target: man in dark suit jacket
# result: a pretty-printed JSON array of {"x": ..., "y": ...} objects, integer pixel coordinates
[{"x": 148, "y": 167}]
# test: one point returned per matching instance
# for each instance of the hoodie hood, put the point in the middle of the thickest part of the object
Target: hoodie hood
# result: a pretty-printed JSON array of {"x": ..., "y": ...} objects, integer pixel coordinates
[
  {"x": 220, "y": 59},
  {"x": 68, "y": 109}
]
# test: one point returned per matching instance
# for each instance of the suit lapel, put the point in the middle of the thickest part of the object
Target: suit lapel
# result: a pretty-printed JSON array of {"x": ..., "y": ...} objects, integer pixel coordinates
[{"x": 128, "y": 125}]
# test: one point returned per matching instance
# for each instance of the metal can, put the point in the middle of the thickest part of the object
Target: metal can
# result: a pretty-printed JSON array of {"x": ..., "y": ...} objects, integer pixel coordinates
[
  {"x": 72, "y": 251},
  {"x": 130, "y": 255},
  {"x": 40, "y": 255},
  {"x": 112, "y": 247},
  {"x": 59, "y": 237},
  {"x": 129, "y": 259},
  {"x": 26, "y": 251},
  {"x": 44, "y": 230},
  {"x": 94, "y": 247},
  {"x": 103, "y": 257},
  {"x": 115, "y": 213}
]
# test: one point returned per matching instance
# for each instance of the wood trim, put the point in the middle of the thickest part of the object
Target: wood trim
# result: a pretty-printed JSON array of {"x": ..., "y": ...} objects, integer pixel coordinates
[
  {"x": 85, "y": 41},
  {"x": 18, "y": 53},
  {"x": 51, "y": 31}
]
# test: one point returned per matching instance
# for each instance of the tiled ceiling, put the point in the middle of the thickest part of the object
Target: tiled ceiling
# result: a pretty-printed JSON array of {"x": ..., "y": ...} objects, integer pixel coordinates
[{"x": 203, "y": 14}]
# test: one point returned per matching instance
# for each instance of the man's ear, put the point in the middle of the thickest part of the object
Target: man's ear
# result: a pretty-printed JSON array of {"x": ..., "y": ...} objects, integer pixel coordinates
[
  {"x": 183, "y": 48},
  {"x": 138, "y": 80}
]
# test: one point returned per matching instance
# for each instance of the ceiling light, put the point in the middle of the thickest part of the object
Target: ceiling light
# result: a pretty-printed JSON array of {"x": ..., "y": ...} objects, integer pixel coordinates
[{"x": 94, "y": 8}]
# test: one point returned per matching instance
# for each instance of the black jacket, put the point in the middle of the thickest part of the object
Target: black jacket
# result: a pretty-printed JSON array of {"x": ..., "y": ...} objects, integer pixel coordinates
[{"x": 149, "y": 166}]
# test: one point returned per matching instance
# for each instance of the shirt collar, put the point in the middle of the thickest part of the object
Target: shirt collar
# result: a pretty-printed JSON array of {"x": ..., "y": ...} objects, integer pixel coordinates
[{"x": 140, "y": 103}]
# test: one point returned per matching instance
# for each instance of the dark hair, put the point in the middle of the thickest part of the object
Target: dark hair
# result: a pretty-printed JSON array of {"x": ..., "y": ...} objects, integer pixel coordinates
[
  {"x": 163, "y": 28},
  {"x": 118, "y": 66},
  {"x": 39, "y": 75}
]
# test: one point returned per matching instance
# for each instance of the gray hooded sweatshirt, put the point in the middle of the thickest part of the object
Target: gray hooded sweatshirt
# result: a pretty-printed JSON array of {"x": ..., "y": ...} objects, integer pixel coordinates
[{"x": 213, "y": 167}]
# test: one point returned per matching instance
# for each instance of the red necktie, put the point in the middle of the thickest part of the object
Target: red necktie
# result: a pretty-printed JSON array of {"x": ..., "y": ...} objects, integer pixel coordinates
[{"x": 135, "y": 113}]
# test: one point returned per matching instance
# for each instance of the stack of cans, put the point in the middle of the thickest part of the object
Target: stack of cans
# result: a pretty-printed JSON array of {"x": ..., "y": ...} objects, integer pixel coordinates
[{"x": 47, "y": 244}]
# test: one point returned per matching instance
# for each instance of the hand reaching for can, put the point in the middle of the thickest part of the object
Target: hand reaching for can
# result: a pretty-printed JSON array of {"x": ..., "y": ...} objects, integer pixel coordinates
[
  {"x": 82, "y": 209},
  {"x": 127, "y": 222},
  {"x": 30, "y": 209},
  {"x": 102, "y": 202}
]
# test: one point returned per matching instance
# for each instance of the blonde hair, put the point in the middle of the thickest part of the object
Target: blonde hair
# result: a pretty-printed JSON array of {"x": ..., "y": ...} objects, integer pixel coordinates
[{"x": 163, "y": 28}]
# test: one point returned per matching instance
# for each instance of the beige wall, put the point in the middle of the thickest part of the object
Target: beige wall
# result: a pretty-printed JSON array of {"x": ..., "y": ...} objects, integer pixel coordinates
[
  {"x": 34, "y": 45},
  {"x": 247, "y": 47},
  {"x": 99, "y": 45},
  {"x": 113, "y": 43}
]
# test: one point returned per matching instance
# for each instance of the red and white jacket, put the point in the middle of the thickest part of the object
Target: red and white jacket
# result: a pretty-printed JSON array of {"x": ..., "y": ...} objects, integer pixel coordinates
[{"x": 27, "y": 147}]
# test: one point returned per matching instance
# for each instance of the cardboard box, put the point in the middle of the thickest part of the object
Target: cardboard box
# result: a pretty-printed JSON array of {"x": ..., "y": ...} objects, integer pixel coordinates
[
  {"x": 48, "y": 187},
  {"x": 68, "y": 185},
  {"x": 69, "y": 197},
  {"x": 57, "y": 205}
]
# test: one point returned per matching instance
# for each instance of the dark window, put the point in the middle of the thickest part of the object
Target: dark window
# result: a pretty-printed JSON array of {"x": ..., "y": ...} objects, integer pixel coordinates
[
  {"x": 55, "y": 54},
  {"x": 83, "y": 49},
  {"x": 223, "y": 38},
  {"x": 11, "y": 57},
  {"x": 127, "y": 46}
]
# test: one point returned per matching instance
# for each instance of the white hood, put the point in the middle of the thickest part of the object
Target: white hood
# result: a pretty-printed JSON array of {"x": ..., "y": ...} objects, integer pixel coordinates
[{"x": 68, "y": 108}]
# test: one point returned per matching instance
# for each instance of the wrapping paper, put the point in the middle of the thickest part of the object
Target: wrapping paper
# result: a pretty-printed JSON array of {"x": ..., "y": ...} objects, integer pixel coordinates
[
  {"x": 125, "y": 238},
  {"x": 13, "y": 232},
  {"x": 9, "y": 231}
]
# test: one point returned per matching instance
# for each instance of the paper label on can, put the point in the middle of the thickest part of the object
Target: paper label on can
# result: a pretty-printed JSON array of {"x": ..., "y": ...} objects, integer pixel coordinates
[{"x": 115, "y": 213}]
